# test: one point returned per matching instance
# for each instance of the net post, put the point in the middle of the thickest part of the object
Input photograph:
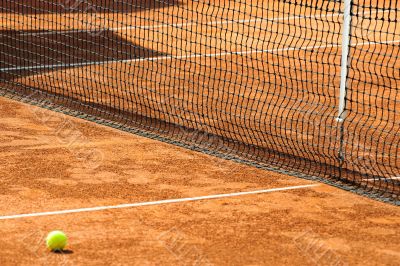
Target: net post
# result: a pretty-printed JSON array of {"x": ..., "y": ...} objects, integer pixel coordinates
[
  {"x": 344, "y": 62},
  {"x": 343, "y": 78}
]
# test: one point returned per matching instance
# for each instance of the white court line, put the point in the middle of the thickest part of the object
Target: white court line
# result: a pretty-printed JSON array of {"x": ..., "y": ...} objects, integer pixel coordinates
[
  {"x": 188, "y": 24},
  {"x": 161, "y": 58},
  {"x": 382, "y": 179},
  {"x": 150, "y": 203}
]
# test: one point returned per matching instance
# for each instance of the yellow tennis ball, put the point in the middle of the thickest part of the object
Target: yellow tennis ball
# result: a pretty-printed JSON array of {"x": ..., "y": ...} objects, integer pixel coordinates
[{"x": 56, "y": 241}]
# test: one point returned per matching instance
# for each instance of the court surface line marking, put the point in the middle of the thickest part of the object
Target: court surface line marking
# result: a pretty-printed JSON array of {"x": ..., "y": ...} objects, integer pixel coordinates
[
  {"x": 188, "y": 24},
  {"x": 166, "y": 25},
  {"x": 150, "y": 203},
  {"x": 161, "y": 58},
  {"x": 382, "y": 179}
]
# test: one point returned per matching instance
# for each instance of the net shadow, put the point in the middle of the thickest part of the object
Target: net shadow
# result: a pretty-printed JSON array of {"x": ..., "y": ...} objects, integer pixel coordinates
[
  {"x": 35, "y": 53},
  {"x": 82, "y": 6}
]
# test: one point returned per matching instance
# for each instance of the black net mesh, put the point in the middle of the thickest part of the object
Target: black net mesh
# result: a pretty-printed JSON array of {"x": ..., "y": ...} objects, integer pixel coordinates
[{"x": 254, "y": 80}]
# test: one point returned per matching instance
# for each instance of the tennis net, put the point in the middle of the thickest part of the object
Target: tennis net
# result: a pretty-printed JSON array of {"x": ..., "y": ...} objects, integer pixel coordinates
[{"x": 272, "y": 83}]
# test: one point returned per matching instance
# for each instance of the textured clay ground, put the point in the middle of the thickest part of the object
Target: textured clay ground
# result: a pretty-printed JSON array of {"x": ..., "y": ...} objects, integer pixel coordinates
[{"x": 51, "y": 162}]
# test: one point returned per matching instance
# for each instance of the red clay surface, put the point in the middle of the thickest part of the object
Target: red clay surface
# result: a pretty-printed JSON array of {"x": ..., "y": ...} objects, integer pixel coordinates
[
  {"x": 54, "y": 162},
  {"x": 208, "y": 74}
]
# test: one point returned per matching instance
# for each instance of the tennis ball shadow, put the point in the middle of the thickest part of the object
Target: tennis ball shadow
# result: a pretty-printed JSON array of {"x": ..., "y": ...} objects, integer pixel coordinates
[{"x": 63, "y": 252}]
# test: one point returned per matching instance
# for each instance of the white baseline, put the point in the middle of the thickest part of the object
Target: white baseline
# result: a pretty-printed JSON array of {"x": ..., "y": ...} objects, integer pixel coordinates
[
  {"x": 150, "y": 203},
  {"x": 189, "y": 56}
]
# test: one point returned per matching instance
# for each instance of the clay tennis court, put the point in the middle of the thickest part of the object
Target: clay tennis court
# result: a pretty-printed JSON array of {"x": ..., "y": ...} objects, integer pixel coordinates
[
  {"x": 124, "y": 198},
  {"x": 193, "y": 59},
  {"x": 43, "y": 170}
]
